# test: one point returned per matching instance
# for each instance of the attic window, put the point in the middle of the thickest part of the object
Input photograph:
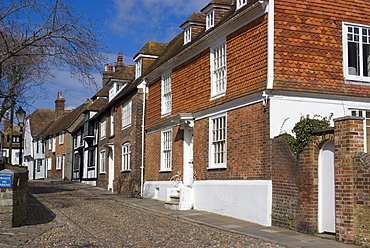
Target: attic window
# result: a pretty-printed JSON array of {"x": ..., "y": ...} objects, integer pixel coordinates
[
  {"x": 241, "y": 3},
  {"x": 187, "y": 35},
  {"x": 210, "y": 19},
  {"x": 139, "y": 65}
]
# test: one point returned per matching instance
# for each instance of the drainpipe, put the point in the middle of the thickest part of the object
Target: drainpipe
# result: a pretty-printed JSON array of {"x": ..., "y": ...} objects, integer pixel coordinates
[
  {"x": 270, "y": 46},
  {"x": 143, "y": 139}
]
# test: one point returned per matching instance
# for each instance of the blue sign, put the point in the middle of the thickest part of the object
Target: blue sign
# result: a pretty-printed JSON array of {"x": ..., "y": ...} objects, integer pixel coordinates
[{"x": 6, "y": 180}]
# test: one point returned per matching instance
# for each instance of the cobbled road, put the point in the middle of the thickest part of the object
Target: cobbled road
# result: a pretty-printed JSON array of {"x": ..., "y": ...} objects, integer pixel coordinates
[{"x": 90, "y": 220}]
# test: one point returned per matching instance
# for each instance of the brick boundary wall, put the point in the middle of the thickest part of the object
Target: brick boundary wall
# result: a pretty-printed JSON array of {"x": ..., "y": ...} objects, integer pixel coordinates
[{"x": 285, "y": 178}]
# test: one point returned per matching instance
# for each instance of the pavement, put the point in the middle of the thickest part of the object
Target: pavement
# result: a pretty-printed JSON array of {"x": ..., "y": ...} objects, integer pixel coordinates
[{"x": 15, "y": 237}]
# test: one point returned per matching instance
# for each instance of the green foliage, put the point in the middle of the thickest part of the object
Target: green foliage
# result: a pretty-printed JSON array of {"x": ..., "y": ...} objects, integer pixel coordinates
[{"x": 304, "y": 131}]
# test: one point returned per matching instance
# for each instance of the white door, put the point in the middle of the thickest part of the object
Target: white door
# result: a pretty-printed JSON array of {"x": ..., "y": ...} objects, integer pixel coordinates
[
  {"x": 326, "y": 189},
  {"x": 188, "y": 157},
  {"x": 111, "y": 169}
]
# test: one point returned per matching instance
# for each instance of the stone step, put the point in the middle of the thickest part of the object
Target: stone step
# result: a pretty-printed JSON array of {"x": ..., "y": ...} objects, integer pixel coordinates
[{"x": 173, "y": 205}]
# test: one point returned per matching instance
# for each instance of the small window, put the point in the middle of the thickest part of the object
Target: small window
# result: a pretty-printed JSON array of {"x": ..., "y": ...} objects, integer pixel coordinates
[
  {"x": 217, "y": 151},
  {"x": 103, "y": 128},
  {"x": 138, "y": 68},
  {"x": 126, "y": 114},
  {"x": 54, "y": 144},
  {"x": 38, "y": 165},
  {"x": 61, "y": 139},
  {"x": 102, "y": 162},
  {"x": 60, "y": 162},
  {"x": 218, "y": 70},
  {"x": 49, "y": 144},
  {"x": 241, "y": 3},
  {"x": 112, "y": 122},
  {"x": 166, "y": 150},
  {"x": 166, "y": 94},
  {"x": 356, "y": 50},
  {"x": 210, "y": 19},
  {"x": 48, "y": 161},
  {"x": 187, "y": 35},
  {"x": 126, "y": 157}
]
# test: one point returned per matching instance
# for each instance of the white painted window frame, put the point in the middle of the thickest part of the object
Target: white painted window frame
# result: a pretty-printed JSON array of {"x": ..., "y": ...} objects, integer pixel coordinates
[
  {"x": 61, "y": 138},
  {"x": 54, "y": 144},
  {"x": 210, "y": 19},
  {"x": 218, "y": 141},
  {"x": 166, "y": 94},
  {"x": 218, "y": 70},
  {"x": 49, "y": 162},
  {"x": 187, "y": 35},
  {"x": 241, "y": 3},
  {"x": 126, "y": 157},
  {"x": 126, "y": 114},
  {"x": 103, "y": 128},
  {"x": 112, "y": 122},
  {"x": 102, "y": 166},
  {"x": 166, "y": 150},
  {"x": 347, "y": 35},
  {"x": 59, "y": 162},
  {"x": 138, "y": 68}
]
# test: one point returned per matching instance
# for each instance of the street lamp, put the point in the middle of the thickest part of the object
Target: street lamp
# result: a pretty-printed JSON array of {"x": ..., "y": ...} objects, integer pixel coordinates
[{"x": 21, "y": 114}]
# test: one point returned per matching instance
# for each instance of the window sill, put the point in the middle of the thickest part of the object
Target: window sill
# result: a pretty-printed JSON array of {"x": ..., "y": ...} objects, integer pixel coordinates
[
  {"x": 357, "y": 81},
  {"x": 164, "y": 171},
  {"x": 125, "y": 127},
  {"x": 216, "y": 96},
  {"x": 215, "y": 167},
  {"x": 125, "y": 171},
  {"x": 102, "y": 173}
]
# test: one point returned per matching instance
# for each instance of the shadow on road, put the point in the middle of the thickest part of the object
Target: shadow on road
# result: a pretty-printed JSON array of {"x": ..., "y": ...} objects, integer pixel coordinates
[{"x": 37, "y": 213}]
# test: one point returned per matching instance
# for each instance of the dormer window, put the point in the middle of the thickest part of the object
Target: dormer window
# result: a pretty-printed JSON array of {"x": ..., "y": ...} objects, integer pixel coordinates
[
  {"x": 241, "y": 3},
  {"x": 139, "y": 67},
  {"x": 187, "y": 35},
  {"x": 115, "y": 87},
  {"x": 210, "y": 19}
]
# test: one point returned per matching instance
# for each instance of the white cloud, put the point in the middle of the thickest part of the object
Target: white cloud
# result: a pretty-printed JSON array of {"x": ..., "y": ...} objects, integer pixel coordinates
[{"x": 146, "y": 20}]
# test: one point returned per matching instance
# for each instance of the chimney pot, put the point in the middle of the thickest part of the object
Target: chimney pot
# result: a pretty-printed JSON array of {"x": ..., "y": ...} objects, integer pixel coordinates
[{"x": 120, "y": 58}]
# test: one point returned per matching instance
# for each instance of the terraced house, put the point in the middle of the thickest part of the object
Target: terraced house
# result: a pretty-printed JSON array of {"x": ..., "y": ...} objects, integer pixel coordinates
[
  {"x": 240, "y": 74},
  {"x": 198, "y": 122}
]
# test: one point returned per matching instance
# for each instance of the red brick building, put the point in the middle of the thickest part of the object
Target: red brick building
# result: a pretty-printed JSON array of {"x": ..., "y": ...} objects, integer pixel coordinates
[{"x": 241, "y": 74}]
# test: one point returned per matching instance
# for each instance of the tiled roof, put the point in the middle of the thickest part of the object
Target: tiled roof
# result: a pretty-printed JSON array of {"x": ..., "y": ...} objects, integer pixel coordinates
[
  {"x": 152, "y": 48},
  {"x": 126, "y": 72},
  {"x": 103, "y": 92},
  {"x": 198, "y": 18},
  {"x": 63, "y": 122},
  {"x": 39, "y": 118},
  {"x": 98, "y": 104}
]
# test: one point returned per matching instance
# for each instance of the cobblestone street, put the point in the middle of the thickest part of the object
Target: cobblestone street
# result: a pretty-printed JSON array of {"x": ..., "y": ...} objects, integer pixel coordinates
[{"x": 88, "y": 220}]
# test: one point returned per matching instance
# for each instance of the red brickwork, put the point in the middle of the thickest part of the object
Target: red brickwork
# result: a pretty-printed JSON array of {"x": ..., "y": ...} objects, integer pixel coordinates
[
  {"x": 362, "y": 199},
  {"x": 308, "y": 45},
  {"x": 248, "y": 146},
  {"x": 125, "y": 182},
  {"x": 285, "y": 184},
  {"x": 350, "y": 141},
  {"x": 191, "y": 89},
  {"x": 153, "y": 155},
  {"x": 308, "y": 184}
]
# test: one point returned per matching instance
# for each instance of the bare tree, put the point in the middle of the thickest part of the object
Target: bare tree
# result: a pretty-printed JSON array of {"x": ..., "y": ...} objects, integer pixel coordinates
[{"x": 37, "y": 36}]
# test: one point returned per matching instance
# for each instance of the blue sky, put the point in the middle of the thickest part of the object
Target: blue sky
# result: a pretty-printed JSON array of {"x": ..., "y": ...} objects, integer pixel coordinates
[{"x": 126, "y": 26}]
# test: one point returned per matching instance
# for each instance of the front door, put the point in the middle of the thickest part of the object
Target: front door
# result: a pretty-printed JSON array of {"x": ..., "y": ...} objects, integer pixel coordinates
[
  {"x": 188, "y": 177},
  {"x": 326, "y": 188}
]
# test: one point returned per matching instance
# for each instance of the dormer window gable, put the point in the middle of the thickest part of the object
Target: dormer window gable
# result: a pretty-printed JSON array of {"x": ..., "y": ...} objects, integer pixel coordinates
[
  {"x": 140, "y": 60},
  {"x": 214, "y": 12},
  {"x": 115, "y": 87},
  {"x": 193, "y": 26}
]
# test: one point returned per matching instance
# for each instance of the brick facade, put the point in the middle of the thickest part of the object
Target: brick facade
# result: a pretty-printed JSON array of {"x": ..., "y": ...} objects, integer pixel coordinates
[
  {"x": 125, "y": 182},
  {"x": 308, "y": 45}
]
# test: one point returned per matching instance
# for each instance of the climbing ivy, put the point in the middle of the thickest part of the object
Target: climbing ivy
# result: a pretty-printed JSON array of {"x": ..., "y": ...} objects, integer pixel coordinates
[{"x": 304, "y": 131}]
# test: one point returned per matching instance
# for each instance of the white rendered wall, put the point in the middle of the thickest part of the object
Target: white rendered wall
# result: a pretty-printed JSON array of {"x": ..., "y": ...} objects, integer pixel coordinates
[
  {"x": 242, "y": 199},
  {"x": 285, "y": 111},
  {"x": 249, "y": 200},
  {"x": 157, "y": 189}
]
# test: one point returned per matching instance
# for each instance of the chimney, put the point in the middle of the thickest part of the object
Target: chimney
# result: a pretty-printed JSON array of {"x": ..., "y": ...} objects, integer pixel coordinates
[{"x": 59, "y": 105}]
